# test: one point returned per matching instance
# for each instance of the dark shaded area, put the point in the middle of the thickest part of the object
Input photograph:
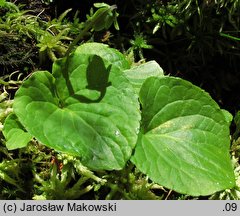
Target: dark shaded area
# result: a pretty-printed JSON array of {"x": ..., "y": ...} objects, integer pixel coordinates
[
  {"x": 36, "y": 7},
  {"x": 97, "y": 76},
  {"x": 15, "y": 55},
  {"x": 98, "y": 80},
  {"x": 20, "y": 171}
]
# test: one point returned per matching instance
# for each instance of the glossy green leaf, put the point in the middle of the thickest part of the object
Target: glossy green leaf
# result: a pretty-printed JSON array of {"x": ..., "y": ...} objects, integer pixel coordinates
[
  {"x": 138, "y": 74},
  {"x": 86, "y": 108},
  {"x": 109, "y": 54},
  {"x": 15, "y": 133},
  {"x": 184, "y": 140},
  {"x": 99, "y": 5}
]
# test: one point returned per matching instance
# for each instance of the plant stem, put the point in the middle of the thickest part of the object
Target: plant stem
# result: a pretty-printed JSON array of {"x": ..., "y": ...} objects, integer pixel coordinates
[
  {"x": 90, "y": 23},
  {"x": 87, "y": 173},
  {"x": 2, "y": 82},
  {"x": 229, "y": 36}
]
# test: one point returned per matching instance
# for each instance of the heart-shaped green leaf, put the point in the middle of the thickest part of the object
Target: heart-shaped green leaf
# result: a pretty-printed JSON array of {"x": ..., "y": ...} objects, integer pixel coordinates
[
  {"x": 86, "y": 108},
  {"x": 184, "y": 140},
  {"x": 102, "y": 50},
  {"x": 15, "y": 133}
]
